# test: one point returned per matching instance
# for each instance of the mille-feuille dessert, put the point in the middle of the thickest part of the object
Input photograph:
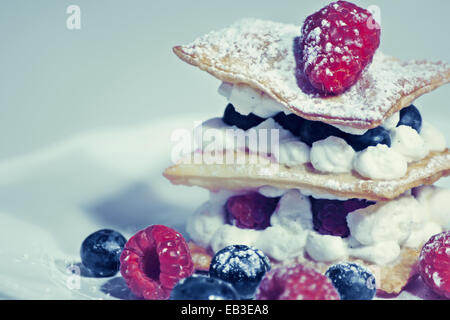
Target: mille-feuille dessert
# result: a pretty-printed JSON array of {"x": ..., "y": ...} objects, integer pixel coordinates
[{"x": 348, "y": 172}]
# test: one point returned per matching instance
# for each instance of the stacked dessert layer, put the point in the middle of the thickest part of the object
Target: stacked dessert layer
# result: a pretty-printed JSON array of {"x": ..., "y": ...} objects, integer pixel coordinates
[{"x": 316, "y": 179}]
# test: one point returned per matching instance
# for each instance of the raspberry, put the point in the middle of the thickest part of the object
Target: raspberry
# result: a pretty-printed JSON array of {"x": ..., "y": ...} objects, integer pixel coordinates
[
  {"x": 250, "y": 211},
  {"x": 330, "y": 216},
  {"x": 154, "y": 260},
  {"x": 434, "y": 264},
  {"x": 296, "y": 283},
  {"x": 337, "y": 43}
]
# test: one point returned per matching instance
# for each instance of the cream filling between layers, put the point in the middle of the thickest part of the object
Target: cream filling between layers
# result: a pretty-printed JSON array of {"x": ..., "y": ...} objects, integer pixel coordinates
[
  {"x": 331, "y": 155},
  {"x": 377, "y": 233}
]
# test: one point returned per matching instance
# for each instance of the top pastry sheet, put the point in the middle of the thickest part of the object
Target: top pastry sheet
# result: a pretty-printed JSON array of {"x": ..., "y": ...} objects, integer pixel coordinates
[{"x": 262, "y": 55}]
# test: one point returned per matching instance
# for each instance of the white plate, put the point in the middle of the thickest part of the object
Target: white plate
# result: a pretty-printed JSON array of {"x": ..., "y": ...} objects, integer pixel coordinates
[{"x": 52, "y": 199}]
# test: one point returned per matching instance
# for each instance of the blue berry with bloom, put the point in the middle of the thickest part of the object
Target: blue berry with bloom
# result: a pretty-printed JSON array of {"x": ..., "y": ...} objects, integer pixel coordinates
[
  {"x": 244, "y": 122},
  {"x": 410, "y": 116},
  {"x": 352, "y": 281},
  {"x": 100, "y": 252},
  {"x": 241, "y": 266},
  {"x": 200, "y": 287}
]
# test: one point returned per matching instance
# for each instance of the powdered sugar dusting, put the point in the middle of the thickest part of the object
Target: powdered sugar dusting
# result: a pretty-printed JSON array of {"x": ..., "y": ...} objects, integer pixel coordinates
[
  {"x": 248, "y": 261},
  {"x": 261, "y": 54},
  {"x": 437, "y": 279},
  {"x": 434, "y": 263},
  {"x": 441, "y": 240}
]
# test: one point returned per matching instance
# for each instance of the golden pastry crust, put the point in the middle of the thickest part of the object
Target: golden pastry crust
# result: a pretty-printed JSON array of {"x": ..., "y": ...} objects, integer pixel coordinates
[
  {"x": 254, "y": 174},
  {"x": 261, "y": 54},
  {"x": 200, "y": 256}
]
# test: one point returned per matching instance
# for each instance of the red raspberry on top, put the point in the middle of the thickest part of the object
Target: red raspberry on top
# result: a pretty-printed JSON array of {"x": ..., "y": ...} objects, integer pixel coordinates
[
  {"x": 154, "y": 260},
  {"x": 338, "y": 42},
  {"x": 434, "y": 264},
  {"x": 296, "y": 283}
]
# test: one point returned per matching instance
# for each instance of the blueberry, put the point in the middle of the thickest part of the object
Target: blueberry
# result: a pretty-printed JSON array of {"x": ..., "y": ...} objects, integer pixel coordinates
[
  {"x": 372, "y": 137},
  {"x": 242, "y": 266},
  {"x": 312, "y": 131},
  {"x": 352, "y": 281},
  {"x": 410, "y": 116},
  {"x": 198, "y": 287},
  {"x": 290, "y": 122},
  {"x": 234, "y": 118},
  {"x": 100, "y": 252}
]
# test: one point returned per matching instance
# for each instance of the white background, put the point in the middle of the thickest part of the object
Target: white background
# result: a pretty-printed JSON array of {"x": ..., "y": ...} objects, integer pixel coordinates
[{"x": 119, "y": 68}]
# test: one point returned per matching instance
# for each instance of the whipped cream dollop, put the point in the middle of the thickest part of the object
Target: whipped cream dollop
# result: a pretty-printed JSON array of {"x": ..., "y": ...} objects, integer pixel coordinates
[
  {"x": 215, "y": 134},
  {"x": 267, "y": 137},
  {"x": 331, "y": 155},
  {"x": 293, "y": 152},
  {"x": 388, "y": 221},
  {"x": 436, "y": 201},
  {"x": 325, "y": 247},
  {"x": 380, "y": 162},
  {"x": 247, "y": 100},
  {"x": 391, "y": 122},
  {"x": 354, "y": 131},
  {"x": 381, "y": 253},
  {"x": 407, "y": 142},
  {"x": 377, "y": 232}
]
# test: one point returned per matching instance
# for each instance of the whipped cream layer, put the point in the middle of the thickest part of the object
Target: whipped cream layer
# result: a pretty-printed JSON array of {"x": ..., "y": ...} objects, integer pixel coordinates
[
  {"x": 377, "y": 232},
  {"x": 331, "y": 155},
  {"x": 247, "y": 100}
]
